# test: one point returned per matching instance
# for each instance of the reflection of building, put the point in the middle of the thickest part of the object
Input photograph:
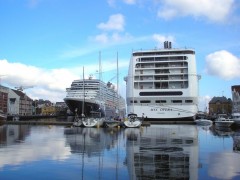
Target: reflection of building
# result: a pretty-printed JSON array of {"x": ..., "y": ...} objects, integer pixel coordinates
[
  {"x": 91, "y": 141},
  {"x": 236, "y": 142},
  {"x": 220, "y": 105},
  {"x": 236, "y": 98},
  {"x": 166, "y": 152},
  {"x": 12, "y": 134}
]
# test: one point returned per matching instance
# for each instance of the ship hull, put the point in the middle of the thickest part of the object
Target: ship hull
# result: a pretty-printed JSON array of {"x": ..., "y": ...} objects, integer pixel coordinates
[
  {"x": 175, "y": 112},
  {"x": 75, "y": 106}
]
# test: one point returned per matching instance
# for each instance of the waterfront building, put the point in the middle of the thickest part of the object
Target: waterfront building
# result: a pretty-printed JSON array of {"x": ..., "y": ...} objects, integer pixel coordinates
[
  {"x": 25, "y": 102},
  {"x": 235, "y": 98},
  {"x": 13, "y": 102},
  {"x": 3, "y": 99},
  {"x": 48, "y": 110},
  {"x": 220, "y": 105}
]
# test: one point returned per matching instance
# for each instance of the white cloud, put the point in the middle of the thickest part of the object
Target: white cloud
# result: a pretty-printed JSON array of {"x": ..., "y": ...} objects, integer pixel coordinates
[
  {"x": 50, "y": 84},
  {"x": 160, "y": 39},
  {"x": 115, "y": 22},
  {"x": 111, "y": 3},
  {"x": 203, "y": 103},
  {"x": 223, "y": 64},
  {"x": 214, "y": 10},
  {"x": 129, "y": 1},
  {"x": 112, "y": 38}
]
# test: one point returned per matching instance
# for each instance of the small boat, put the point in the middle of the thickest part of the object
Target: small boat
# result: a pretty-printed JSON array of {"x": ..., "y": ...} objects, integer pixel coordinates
[
  {"x": 92, "y": 122},
  {"x": 112, "y": 123},
  {"x": 236, "y": 118},
  {"x": 95, "y": 120},
  {"x": 223, "y": 121},
  {"x": 78, "y": 121},
  {"x": 132, "y": 121},
  {"x": 203, "y": 122}
]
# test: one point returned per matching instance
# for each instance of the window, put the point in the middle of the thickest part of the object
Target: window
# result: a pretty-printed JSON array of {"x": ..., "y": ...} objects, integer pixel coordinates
[
  {"x": 176, "y": 101},
  {"x": 188, "y": 101},
  {"x": 134, "y": 101},
  {"x": 145, "y": 101},
  {"x": 164, "y": 93},
  {"x": 160, "y": 101}
]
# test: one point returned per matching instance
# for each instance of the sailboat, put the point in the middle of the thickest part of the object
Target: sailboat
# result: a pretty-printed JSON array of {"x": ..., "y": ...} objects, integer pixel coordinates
[
  {"x": 115, "y": 122},
  {"x": 95, "y": 119},
  {"x": 132, "y": 121}
]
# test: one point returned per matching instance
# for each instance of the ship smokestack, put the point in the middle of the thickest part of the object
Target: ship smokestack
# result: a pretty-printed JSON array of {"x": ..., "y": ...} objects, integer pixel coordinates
[
  {"x": 167, "y": 45},
  {"x": 170, "y": 45}
]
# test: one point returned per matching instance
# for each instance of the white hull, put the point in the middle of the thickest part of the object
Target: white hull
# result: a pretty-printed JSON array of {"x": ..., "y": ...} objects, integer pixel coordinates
[
  {"x": 223, "y": 123},
  {"x": 165, "y": 112},
  {"x": 92, "y": 122},
  {"x": 132, "y": 124},
  {"x": 132, "y": 121}
]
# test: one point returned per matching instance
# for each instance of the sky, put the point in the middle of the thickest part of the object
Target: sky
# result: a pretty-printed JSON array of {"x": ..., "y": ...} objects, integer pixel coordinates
[{"x": 44, "y": 44}]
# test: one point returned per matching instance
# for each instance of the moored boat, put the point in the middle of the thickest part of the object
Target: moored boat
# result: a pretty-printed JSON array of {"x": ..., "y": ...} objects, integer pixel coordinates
[
  {"x": 223, "y": 121},
  {"x": 93, "y": 95},
  {"x": 163, "y": 84},
  {"x": 203, "y": 122},
  {"x": 132, "y": 121}
]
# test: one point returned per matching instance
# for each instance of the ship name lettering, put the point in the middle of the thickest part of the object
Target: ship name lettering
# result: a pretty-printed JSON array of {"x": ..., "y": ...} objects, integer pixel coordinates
[{"x": 161, "y": 109}]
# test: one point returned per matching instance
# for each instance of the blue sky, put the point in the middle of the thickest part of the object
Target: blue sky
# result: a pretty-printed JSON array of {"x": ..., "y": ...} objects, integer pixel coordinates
[{"x": 45, "y": 43}]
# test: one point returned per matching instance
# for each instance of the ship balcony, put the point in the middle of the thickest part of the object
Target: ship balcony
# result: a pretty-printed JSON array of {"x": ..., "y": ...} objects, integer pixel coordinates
[
  {"x": 161, "y": 65},
  {"x": 161, "y": 85}
]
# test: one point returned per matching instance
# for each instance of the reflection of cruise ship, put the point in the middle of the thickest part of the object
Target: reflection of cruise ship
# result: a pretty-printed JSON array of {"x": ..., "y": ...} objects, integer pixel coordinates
[
  {"x": 92, "y": 141},
  {"x": 162, "y": 83},
  {"x": 95, "y": 96},
  {"x": 168, "y": 152}
]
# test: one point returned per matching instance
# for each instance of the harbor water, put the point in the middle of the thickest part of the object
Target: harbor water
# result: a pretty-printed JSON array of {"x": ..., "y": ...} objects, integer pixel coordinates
[{"x": 154, "y": 152}]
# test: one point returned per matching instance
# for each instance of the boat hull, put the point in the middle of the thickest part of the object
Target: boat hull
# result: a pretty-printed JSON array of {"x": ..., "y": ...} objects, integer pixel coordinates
[
  {"x": 92, "y": 122},
  {"x": 203, "y": 122},
  {"x": 166, "y": 113}
]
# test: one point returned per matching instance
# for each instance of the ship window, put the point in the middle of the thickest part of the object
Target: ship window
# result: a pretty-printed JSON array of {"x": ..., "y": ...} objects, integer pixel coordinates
[
  {"x": 134, "y": 101},
  {"x": 160, "y": 101},
  {"x": 145, "y": 101},
  {"x": 164, "y": 93},
  {"x": 188, "y": 101},
  {"x": 176, "y": 101}
]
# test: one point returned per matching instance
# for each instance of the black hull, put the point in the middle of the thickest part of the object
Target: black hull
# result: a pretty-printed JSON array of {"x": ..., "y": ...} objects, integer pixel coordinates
[{"x": 75, "y": 107}]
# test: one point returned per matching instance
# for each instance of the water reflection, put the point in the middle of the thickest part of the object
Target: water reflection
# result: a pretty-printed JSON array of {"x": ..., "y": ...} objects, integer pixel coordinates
[
  {"x": 155, "y": 152},
  {"x": 22, "y": 143},
  {"x": 165, "y": 152}
]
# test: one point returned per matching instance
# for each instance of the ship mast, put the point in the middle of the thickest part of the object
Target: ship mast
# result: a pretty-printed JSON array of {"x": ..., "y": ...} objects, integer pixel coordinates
[
  {"x": 117, "y": 86},
  {"x": 83, "y": 94}
]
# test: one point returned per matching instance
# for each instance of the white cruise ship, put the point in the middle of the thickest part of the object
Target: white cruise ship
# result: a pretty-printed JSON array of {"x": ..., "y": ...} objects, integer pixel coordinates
[
  {"x": 163, "y": 84},
  {"x": 91, "y": 96}
]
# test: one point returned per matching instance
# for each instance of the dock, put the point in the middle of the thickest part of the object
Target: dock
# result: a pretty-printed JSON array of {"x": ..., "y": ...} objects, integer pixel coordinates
[{"x": 68, "y": 123}]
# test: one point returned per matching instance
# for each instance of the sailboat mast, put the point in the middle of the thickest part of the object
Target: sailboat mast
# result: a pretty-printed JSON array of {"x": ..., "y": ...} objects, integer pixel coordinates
[
  {"x": 117, "y": 86},
  {"x": 83, "y": 93},
  {"x": 100, "y": 75}
]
